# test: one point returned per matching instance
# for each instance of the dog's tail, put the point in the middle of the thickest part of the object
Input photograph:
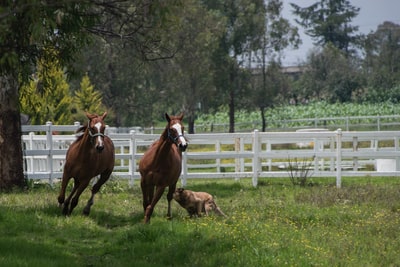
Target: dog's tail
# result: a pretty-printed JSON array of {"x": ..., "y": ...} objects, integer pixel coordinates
[{"x": 218, "y": 211}]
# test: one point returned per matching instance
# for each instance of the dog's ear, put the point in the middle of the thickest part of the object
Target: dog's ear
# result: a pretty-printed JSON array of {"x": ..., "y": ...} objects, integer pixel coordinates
[{"x": 180, "y": 190}]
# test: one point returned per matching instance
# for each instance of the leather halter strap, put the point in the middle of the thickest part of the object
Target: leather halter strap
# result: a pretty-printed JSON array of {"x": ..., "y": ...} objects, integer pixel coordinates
[
  {"x": 96, "y": 134},
  {"x": 174, "y": 139}
]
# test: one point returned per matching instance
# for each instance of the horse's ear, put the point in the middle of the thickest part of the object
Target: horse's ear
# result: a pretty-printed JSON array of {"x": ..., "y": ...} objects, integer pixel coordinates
[
  {"x": 104, "y": 115},
  {"x": 180, "y": 117},
  {"x": 167, "y": 117},
  {"x": 90, "y": 116}
]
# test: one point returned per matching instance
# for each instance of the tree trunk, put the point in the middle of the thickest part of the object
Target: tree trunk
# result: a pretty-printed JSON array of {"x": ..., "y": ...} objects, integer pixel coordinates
[
  {"x": 264, "y": 124},
  {"x": 11, "y": 160},
  {"x": 191, "y": 124},
  {"x": 232, "y": 111},
  {"x": 232, "y": 100}
]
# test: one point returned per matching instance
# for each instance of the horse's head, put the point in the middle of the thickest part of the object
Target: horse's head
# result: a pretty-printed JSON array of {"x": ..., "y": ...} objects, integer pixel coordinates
[
  {"x": 96, "y": 129},
  {"x": 176, "y": 131}
]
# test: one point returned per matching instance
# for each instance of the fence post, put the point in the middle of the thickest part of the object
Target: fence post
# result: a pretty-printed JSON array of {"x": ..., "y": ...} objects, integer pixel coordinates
[
  {"x": 256, "y": 158},
  {"x": 31, "y": 161},
  {"x": 237, "y": 160},
  {"x": 184, "y": 169},
  {"x": 355, "y": 149},
  {"x": 396, "y": 148},
  {"x": 77, "y": 124},
  {"x": 132, "y": 160},
  {"x": 49, "y": 144},
  {"x": 339, "y": 158},
  {"x": 379, "y": 122},
  {"x": 218, "y": 160}
]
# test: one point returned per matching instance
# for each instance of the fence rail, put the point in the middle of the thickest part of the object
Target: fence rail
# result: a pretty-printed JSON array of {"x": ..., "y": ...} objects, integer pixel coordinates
[
  {"x": 236, "y": 155},
  {"x": 347, "y": 123}
]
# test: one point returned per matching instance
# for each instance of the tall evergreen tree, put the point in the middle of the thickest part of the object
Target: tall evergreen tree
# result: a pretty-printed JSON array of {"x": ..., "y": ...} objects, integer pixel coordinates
[
  {"x": 47, "y": 96},
  {"x": 382, "y": 57},
  {"x": 87, "y": 99},
  {"x": 329, "y": 21}
]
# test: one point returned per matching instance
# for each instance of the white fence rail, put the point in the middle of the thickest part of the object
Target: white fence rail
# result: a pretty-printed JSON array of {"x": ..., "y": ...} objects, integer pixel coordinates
[
  {"x": 347, "y": 123},
  {"x": 235, "y": 155}
]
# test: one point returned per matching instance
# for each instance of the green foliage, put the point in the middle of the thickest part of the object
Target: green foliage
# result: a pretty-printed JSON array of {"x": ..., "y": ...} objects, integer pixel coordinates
[
  {"x": 274, "y": 224},
  {"x": 328, "y": 22},
  {"x": 47, "y": 96},
  {"x": 382, "y": 60},
  {"x": 87, "y": 99},
  {"x": 320, "y": 109},
  {"x": 321, "y": 77}
]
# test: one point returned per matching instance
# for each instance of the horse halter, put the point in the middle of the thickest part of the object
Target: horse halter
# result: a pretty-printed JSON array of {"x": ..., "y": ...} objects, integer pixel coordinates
[
  {"x": 174, "y": 139},
  {"x": 96, "y": 134},
  {"x": 182, "y": 145},
  {"x": 100, "y": 145}
]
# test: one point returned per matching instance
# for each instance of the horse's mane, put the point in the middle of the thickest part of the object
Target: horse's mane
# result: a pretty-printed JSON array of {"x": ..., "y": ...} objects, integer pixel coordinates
[{"x": 80, "y": 131}]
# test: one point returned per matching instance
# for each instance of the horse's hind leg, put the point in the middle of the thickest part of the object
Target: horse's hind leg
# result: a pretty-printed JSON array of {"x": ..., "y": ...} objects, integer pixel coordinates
[
  {"x": 95, "y": 189},
  {"x": 79, "y": 189}
]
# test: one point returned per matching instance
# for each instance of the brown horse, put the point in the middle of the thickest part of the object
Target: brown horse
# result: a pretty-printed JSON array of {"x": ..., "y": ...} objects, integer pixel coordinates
[
  {"x": 90, "y": 155},
  {"x": 161, "y": 165}
]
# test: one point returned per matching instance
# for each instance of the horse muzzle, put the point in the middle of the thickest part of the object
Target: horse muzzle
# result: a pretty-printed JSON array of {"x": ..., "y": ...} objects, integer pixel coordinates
[
  {"x": 182, "y": 147},
  {"x": 99, "y": 148}
]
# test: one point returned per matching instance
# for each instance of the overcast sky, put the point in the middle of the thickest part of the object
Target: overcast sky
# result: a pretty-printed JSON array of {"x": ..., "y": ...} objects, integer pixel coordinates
[{"x": 372, "y": 13}]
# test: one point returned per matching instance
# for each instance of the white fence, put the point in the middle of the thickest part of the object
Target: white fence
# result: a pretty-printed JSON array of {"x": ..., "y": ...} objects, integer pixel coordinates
[
  {"x": 347, "y": 123},
  {"x": 234, "y": 155}
]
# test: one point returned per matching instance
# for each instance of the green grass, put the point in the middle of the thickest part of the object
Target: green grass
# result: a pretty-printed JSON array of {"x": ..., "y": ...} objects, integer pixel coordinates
[{"x": 275, "y": 224}]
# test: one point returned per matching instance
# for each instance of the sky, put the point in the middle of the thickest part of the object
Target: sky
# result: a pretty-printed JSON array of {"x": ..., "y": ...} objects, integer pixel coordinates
[{"x": 371, "y": 14}]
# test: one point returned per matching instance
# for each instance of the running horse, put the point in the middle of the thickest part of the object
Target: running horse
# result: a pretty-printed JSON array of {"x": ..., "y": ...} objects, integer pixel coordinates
[
  {"x": 161, "y": 165},
  {"x": 90, "y": 155}
]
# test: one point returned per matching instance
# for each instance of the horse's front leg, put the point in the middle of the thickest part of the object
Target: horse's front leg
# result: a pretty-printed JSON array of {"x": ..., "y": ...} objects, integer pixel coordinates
[
  {"x": 150, "y": 208},
  {"x": 65, "y": 179},
  {"x": 65, "y": 210},
  {"x": 171, "y": 191}
]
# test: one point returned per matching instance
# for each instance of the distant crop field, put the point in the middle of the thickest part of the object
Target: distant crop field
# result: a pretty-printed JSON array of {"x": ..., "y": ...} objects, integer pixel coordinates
[{"x": 275, "y": 224}]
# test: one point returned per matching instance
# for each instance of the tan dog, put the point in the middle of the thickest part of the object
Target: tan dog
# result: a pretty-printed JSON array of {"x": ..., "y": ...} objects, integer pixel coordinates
[{"x": 196, "y": 202}]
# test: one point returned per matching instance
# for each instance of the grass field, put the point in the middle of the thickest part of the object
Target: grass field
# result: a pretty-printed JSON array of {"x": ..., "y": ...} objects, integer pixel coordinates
[{"x": 275, "y": 224}]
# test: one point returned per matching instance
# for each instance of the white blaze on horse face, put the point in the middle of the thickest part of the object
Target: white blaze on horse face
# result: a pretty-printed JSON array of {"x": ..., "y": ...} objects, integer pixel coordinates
[
  {"x": 99, "y": 139},
  {"x": 178, "y": 129}
]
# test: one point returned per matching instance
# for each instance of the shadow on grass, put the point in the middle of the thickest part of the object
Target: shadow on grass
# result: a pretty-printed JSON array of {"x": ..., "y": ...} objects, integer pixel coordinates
[
  {"x": 18, "y": 251},
  {"x": 111, "y": 221}
]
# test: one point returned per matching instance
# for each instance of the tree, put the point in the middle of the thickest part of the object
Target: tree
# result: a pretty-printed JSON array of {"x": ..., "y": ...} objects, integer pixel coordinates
[
  {"x": 86, "y": 99},
  {"x": 244, "y": 24},
  {"x": 329, "y": 75},
  {"x": 24, "y": 38},
  {"x": 28, "y": 28},
  {"x": 267, "y": 86},
  {"x": 382, "y": 57},
  {"x": 188, "y": 76},
  {"x": 269, "y": 80},
  {"x": 47, "y": 96},
  {"x": 328, "y": 21}
]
